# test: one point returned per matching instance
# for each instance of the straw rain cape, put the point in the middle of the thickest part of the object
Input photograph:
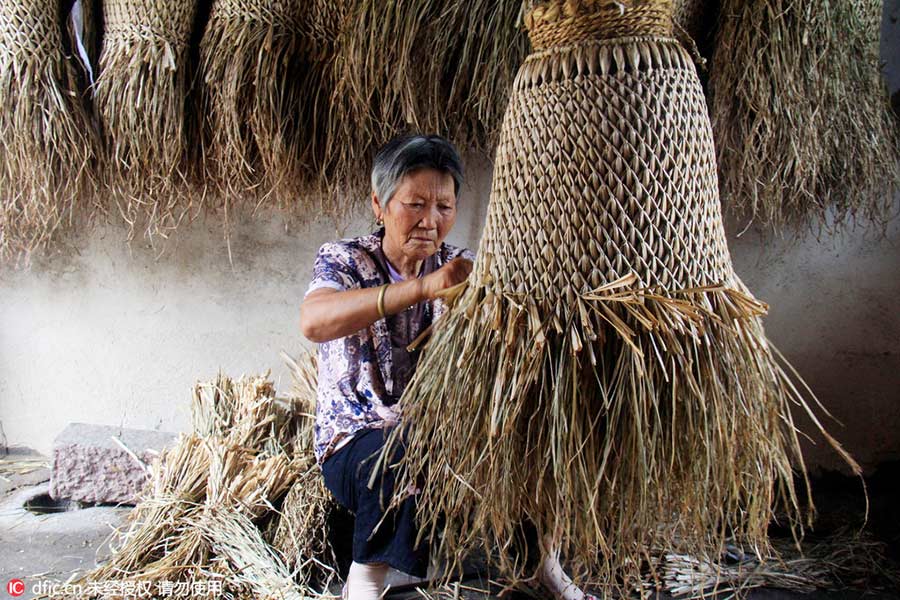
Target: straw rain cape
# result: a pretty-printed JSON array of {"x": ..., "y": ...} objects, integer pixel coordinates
[
  {"x": 48, "y": 144},
  {"x": 141, "y": 96},
  {"x": 441, "y": 66},
  {"x": 803, "y": 126},
  {"x": 605, "y": 375},
  {"x": 258, "y": 88}
]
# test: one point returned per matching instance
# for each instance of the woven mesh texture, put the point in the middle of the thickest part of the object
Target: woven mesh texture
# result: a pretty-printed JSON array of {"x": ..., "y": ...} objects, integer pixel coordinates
[
  {"x": 276, "y": 13},
  {"x": 29, "y": 28},
  {"x": 605, "y": 166},
  {"x": 149, "y": 20}
]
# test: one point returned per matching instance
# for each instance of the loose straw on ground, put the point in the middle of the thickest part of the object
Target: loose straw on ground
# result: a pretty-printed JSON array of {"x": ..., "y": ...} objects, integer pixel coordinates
[{"x": 215, "y": 501}]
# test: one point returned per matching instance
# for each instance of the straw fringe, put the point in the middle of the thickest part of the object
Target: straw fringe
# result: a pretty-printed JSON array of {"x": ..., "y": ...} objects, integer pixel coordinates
[
  {"x": 444, "y": 67},
  {"x": 261, "y": 88},
  {"x": 803, "y": 127},
  {"x": 48, "y": 143},
  {"x": 142, "y": 98},
  {"x": 664, "y": 422}
]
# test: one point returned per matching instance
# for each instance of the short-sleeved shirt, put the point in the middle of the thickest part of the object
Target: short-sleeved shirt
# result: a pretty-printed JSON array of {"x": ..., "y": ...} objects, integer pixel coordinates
[{"x": 362, "y": 375}]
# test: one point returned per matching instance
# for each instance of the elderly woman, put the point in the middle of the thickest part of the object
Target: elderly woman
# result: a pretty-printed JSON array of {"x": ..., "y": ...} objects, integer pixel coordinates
[{"x": 371, "y": 297}]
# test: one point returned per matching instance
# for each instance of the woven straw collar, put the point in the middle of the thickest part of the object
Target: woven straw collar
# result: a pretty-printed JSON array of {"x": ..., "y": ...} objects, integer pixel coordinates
[{"x": 565, "y": 22}]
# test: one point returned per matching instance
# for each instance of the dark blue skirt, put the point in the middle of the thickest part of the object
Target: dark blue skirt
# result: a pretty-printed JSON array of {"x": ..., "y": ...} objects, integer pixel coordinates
[{"x": 347, "y": 473}]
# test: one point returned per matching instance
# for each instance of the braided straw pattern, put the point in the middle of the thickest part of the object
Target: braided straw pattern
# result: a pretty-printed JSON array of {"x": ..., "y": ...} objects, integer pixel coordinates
[
  {"x": 155, "y": 21},
  {"x": 567, "y": 214},
  {"x": 28, "y": 27},
  {"x": 275, "y": 13},
  {"x": 561, "y": 22}
]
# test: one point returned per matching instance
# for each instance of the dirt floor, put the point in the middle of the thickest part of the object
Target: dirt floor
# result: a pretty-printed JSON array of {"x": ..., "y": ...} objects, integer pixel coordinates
[{"x": 39, "y": 549}]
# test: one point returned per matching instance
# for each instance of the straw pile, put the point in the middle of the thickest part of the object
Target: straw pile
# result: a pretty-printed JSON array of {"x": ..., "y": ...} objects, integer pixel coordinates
[
  {"x": 605, "y": 375},
  {"x": 142, "y": 99},
  {"x": 211, "y": 508},
  {"x": 841, "y": 560},
  {"x": 48, "y": 145},
  {"x": 800, "y": 113}
]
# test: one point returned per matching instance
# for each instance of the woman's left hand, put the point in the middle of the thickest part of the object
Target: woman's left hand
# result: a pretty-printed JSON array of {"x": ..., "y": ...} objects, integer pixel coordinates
[{"x": 454, "y": 272}]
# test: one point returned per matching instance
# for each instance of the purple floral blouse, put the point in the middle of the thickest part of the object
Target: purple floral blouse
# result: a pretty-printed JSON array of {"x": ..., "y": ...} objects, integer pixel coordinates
[{"x": 362, "y": 375}]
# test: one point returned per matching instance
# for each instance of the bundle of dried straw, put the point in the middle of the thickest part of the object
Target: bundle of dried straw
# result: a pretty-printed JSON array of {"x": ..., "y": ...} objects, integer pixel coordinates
[
  {"x": 605, "y": 375},
  {"x": 800, "y": 113},
  {"x": 843, "y": 559},
  {"x": 142, "y": 100},
  {"x": 211, "y": 510},
  {"x": 48, "y": 143}
]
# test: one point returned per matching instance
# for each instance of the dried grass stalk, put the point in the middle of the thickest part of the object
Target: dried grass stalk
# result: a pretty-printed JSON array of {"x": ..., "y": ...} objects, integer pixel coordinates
[
  {"x": 252, "y": 564},
  {"x": 259, "y": 87},
  {"x": 48, "y": 143},
  {"x": 302, "y": 536},
  {"x": 442, "y": 67},
  {"x": 800, "y": 113},
  {"x": 142, "y": 99},
  {"x": 838, "y": 561},
  {"x": 606, "y": 375}
]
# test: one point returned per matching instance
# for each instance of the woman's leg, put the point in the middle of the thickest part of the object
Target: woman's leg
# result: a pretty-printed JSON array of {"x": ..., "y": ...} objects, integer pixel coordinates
[
  {"x": 365, "y": 581},
  {"x": 552, "y": 575},
  {"x": 380, "y": 538}
]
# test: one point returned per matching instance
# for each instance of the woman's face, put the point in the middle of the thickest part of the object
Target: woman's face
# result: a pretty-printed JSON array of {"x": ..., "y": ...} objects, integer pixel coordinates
[{"x": 421, "y": 213}]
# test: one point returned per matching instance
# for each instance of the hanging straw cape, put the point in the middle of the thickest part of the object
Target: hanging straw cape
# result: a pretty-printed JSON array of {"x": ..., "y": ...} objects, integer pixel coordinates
[
  {"x": 262, "y": 89},
  {"x": 801, "y": 117},
  {"x": 48, "y": 144},
  {"x": 694, "y": 16},
  {"x": 438, "y": 66},
  {"x": 141, "y": 96},
  {"x": 605, "y": 375}
]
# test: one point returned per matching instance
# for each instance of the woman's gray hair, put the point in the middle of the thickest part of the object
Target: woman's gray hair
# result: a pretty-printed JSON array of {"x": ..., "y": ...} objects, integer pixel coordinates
[{"x": 407, "y": 153}]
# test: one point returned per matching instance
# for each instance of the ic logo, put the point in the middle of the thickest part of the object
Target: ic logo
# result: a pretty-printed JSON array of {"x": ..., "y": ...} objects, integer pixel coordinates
[{"x": 15, "y": 587}]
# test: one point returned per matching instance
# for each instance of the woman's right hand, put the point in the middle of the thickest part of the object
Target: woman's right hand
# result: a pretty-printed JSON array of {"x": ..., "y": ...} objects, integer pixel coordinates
[{"x": 454, "y": 272}]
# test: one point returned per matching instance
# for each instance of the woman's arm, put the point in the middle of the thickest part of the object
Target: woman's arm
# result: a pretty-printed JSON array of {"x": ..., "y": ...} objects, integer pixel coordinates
[{"x": 328, "y": 314}]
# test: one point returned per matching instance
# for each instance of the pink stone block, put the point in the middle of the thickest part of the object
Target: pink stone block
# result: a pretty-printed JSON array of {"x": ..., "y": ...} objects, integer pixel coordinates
[{"x": 89, "y": 466}]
